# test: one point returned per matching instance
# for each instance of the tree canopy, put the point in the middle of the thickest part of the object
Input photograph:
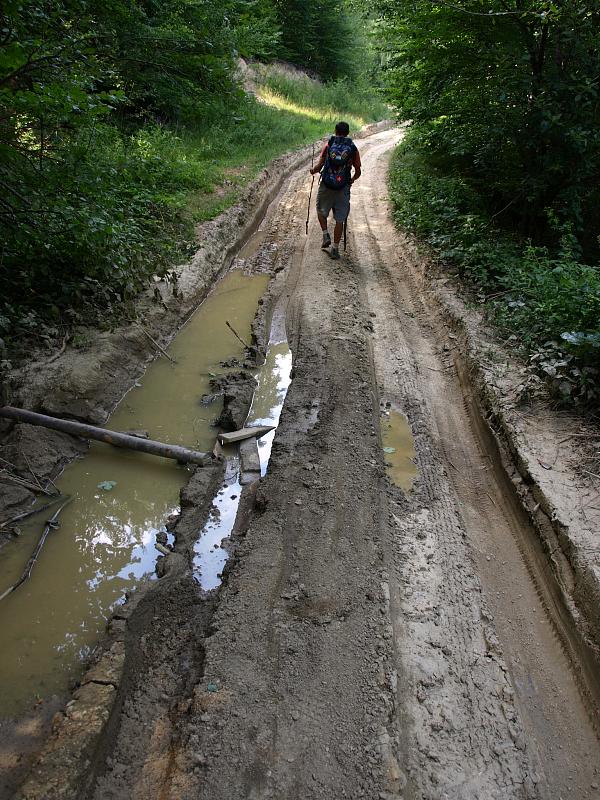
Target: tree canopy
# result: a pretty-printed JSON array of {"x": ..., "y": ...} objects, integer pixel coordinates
[
  {"x": 505, "y": 92},
  {"x": 93, "y": 98}
]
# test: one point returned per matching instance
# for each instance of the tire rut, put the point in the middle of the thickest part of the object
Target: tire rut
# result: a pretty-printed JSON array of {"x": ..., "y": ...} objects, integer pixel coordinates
[
  {"x": 362, "y": 645},
  {"x": 545, "y": 680}
]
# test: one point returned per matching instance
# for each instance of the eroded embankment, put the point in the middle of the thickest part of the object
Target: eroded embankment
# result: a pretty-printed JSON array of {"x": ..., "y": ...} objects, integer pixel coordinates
[
  {"x": 525, "y": 448},
  {"x": 550, "y": 655}
]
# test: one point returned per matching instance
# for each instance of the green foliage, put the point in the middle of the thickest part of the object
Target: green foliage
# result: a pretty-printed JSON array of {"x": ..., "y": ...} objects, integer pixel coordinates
[
  {"x": 501, "y": 172},
  {"x": 121, "y": 126},
  {"x": 547, "y": 302},
  {"x": 319, "y": 35},
  {"x": 505, "y": 93},
  {"x": 353, "y": 97},
  {"x": 256, "y": 31},
  {"x": 169, "y": 56}
]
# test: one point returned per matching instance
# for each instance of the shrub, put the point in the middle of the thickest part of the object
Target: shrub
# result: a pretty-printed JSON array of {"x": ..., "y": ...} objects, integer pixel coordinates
[{"x": 547, "y": 301}]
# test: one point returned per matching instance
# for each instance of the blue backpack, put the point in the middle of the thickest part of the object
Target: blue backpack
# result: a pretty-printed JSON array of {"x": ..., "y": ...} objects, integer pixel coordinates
[{"x": 338, "y": 163}]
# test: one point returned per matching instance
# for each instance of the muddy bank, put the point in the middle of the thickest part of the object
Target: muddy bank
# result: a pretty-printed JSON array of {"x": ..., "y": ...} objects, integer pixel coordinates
[
  {"x": 156, "y": 660},
  {"x": 539, "y": 450},
  {"x": 75, "y": 754}
]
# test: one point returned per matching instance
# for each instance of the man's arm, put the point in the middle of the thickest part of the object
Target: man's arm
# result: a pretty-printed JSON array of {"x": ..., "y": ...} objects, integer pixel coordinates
[
  {"x": 318, "y": 166},
  {"x": 321, "y": 162}
]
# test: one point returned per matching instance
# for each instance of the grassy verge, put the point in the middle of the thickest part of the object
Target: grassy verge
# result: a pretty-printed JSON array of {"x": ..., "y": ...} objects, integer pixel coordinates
[
  {"x": 287, "y": 113},
  {"x": 118, "y": 204},
  {"x": 546, "y": 304}
]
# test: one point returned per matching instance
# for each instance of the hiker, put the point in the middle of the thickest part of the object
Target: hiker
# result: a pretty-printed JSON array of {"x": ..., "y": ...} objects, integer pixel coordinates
[{"x": 335, "y": 164}]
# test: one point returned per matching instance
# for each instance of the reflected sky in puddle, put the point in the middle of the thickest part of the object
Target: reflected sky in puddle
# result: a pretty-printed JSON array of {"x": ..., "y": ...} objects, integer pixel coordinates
[
  {"x": 274, "y": 378},
  {"x": 105, "y": 543}
]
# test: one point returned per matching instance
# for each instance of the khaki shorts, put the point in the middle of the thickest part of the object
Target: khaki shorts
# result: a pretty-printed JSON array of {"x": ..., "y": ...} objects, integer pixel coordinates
[{"x": 336, "y": 199}]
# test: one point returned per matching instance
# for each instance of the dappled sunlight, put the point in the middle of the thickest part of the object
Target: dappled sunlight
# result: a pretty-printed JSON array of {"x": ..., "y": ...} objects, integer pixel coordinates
[{"x": 278, "y": 101}]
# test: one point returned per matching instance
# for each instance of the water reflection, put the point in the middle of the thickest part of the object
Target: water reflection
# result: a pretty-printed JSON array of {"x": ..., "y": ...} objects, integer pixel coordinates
[
  {"x": 273, "y": 380},
  {"x": 273, "y": 383},
  {"x": 105, "y": 543}
]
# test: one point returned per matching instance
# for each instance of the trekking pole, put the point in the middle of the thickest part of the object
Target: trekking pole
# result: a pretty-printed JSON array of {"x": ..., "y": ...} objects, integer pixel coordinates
[
  {"x": 312, "y": 163},
  {"x": 345, "y": 231}
]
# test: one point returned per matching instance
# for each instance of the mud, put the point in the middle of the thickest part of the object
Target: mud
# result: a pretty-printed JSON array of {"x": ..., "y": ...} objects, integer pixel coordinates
[
  {"x": 368, "y": 640},
  {"x": 106, "y": 541}
]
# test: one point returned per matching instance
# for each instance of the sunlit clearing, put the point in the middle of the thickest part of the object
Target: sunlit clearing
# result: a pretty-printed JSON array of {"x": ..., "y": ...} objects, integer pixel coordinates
[{"x": 270, "y": 98}]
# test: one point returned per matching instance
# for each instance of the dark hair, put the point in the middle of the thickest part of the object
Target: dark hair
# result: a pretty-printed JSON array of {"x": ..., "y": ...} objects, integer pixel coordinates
[{"x": 342, "y": 129}]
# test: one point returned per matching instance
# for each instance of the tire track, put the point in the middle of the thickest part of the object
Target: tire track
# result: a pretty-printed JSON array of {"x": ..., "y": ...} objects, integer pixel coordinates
[{"x": 546, "y": 680}]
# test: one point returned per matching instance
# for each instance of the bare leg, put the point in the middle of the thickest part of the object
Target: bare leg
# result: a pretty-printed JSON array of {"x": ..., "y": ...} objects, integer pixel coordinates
[
  {"x": 337, "y": 233},
  {"x": 322, "y": 222}
]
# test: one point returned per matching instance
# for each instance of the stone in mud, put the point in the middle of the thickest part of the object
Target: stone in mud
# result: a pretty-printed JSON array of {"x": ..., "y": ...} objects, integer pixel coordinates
[
  {"x": 109, "y": 668},
  {"x": 197, "y": 491},
  {"x": 209, "y": 399},
  {"x": 237, "y": 398},
  {"x": 11, "y": 496},
  {"x": 173, "y": 564}
]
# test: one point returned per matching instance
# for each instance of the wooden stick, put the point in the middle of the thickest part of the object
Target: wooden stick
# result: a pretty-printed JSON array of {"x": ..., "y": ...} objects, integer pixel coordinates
[
  {"x": 51, "y": 524},
  {"x": 5, "y": 475},
  {"x": 156, "y": 344},
  {"x": 59, "y": 353},
  {"x": 9, "y": 523},
  {"x": 35, "y": 477},
  {"x": 237, "y": 336},
  {"x": 115, "y": 438}
]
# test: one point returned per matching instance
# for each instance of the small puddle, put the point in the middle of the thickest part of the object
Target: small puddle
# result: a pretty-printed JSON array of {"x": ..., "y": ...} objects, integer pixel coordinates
[
  {"x": 399, "y": 450},
  {"x": 253, "y": 244},
  {"x": 274, "y": 378},
  {"x": 105, "y": 543}
]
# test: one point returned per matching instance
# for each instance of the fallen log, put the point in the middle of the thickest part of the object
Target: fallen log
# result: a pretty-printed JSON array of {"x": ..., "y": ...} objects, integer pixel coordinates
[{"x": 115, "y": 438}]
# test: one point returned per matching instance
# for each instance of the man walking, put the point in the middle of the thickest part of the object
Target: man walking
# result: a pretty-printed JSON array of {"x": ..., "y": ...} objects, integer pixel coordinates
[{"x": 335, "y": 164}]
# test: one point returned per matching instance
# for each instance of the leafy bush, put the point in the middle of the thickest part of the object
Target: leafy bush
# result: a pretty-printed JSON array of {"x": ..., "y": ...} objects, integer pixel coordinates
[
  {"x": 545, "y": 300},
  {"x": 505, "y": 94},
  {"x": 97, "y": 199}
]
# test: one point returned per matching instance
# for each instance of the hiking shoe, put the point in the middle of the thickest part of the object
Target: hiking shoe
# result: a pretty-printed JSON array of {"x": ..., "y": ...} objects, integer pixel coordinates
[
  {"x": 335, "y": 253},
  {"x": 326, "y": 241}
]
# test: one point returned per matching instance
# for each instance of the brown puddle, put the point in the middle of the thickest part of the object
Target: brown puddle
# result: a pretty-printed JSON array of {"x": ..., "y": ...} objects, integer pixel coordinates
[
  {"x": 253, "y": 244},
  {"x": 399, "y": 450},
  {"x": 105, "y": 543}
]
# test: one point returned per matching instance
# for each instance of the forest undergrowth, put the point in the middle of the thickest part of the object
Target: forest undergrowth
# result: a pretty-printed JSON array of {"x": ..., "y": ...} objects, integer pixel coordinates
[
  {"x": 500, "y": 170},
  {"x": 122, "y": 126}
]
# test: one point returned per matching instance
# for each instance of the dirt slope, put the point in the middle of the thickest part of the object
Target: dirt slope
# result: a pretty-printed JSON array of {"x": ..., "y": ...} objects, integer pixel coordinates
[{"x": 366, "y": 643}]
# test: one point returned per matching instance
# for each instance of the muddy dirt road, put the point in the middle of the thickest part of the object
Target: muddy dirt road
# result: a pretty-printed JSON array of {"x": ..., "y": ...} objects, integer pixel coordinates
[{"x": 367, "y": 642}]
